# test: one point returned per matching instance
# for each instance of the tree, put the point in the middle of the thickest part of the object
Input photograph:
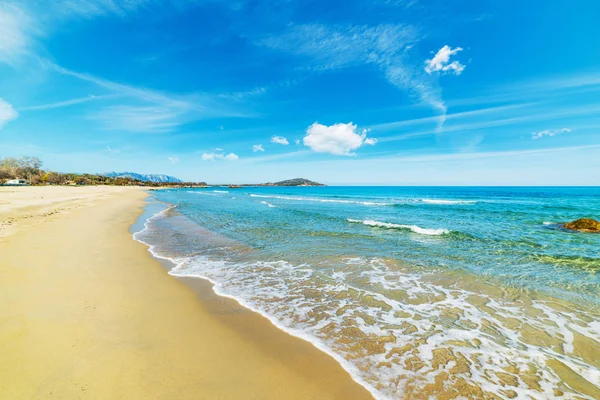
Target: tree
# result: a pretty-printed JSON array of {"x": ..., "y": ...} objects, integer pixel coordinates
[
  {"x": 8, "y": 167},
  {"x": 27, "y": 167}
]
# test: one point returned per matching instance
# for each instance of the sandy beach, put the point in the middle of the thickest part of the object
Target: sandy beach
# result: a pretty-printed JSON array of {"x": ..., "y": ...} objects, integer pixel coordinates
[{"x": 86, "y": 312}]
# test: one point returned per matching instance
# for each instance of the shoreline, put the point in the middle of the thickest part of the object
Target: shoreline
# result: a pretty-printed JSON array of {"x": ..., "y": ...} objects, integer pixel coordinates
[
  {"x": 219, "y": 303},
  {"x": 89, "y": 312},
  {"x": 570, "y": 358}
]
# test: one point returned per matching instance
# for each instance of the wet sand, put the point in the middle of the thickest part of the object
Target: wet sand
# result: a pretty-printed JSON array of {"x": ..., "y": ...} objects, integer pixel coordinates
[{"x": 88, "y": 313}]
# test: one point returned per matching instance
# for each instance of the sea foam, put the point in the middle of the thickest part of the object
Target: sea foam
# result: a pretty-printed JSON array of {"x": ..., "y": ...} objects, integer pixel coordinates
[
  {"x": 399, "y": 330},
  {"x": 413, "y": 228}
]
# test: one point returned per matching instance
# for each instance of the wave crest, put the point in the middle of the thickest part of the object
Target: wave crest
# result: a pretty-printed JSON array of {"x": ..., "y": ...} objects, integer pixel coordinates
[{"x": 413, "y": 228}]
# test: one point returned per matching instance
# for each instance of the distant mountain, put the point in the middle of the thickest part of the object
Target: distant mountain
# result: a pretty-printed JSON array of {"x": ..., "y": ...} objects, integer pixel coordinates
[
  {"x": 295, "y": 182},
  {"x": 143, "y": 177}
]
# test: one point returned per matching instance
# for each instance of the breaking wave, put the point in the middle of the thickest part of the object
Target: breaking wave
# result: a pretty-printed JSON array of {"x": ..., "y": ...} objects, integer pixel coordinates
[{"x": 413, "y": 228}]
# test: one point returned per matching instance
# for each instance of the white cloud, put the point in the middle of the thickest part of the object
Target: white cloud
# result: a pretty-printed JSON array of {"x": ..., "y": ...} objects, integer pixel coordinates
[
  {"x": 549, "y": 132},
  {"x": 215, "y": 156},
  {"x": 219, "y": 149},
  {"x": 441, "y": 61},
  {"x": 7, "y": 112},
  {"x": 297, "y": 141},
  {"x": 280, "y": 140},
  {"x": 112, "y": 151},
  {"x": 257, "y": 147},
  {"x": 338, "y": 139},
  {"x": 173, "y": 159}
]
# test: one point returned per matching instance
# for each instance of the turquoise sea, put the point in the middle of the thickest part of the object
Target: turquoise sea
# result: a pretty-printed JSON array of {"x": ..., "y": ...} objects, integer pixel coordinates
[{"x": 416, "y": 291}]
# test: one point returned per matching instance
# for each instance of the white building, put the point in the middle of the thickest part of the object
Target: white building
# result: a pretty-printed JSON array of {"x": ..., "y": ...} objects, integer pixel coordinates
[{"x": 16, "y": 182}]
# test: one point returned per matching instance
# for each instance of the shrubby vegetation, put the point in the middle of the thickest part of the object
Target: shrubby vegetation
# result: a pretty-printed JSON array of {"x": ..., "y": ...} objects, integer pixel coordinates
[{"x": 30, "y": 168}]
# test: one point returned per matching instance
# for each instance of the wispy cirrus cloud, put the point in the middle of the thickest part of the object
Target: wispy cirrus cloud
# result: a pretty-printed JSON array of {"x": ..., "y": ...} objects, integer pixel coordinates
[
  {"x": 148, "y": 119},
  {"x": 17, "y": 29},
  {"x": 385, "y": 47},
  {"x": 257, "y": 147},
  {"x": 386, "y": 126},
  {"x": 174, "y": 159},
  {"x": 65, "y": 103},
  {"x": 23, "y": 22},
  {"x": 564, "y": 86},
  {"x": 154, "y": 111}
]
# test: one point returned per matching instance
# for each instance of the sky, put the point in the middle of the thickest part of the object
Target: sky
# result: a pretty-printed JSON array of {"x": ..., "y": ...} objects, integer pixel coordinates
[{"x": 354, "y": 92}]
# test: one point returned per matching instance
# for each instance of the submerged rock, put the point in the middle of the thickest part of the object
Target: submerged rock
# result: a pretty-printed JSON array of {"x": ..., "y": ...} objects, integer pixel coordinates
[{"x": 584, "y": 225}]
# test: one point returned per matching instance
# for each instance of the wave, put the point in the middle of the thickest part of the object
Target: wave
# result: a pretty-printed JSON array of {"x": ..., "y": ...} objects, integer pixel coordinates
[
  {"x": 396, "y": 316},
  {"x": 268, "y": 204},
  {"x": 160, "y": 214},
  {"x": 413, "y": 228},
  {"x": 220, "y": 191},
  {"x": 352, "y": 333},
  {"x": 448, "y": 202},
  {"x": 321, "y": 200}
]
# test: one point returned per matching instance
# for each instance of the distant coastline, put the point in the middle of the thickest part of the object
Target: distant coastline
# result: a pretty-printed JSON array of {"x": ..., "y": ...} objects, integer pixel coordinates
[{"x": 27, "y": 171}]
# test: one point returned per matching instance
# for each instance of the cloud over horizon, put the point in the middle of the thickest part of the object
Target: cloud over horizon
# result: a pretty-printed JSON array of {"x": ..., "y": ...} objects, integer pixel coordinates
[
  {"x": 218, "y": 156},
  {"x": 549, "y": 132},
  {"x": 279, "y": 140},
  {"x": 338, "y": 139}
]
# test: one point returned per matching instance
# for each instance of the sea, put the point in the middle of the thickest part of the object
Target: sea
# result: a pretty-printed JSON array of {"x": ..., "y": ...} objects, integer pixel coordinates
[{"x": 418, "y": 292}]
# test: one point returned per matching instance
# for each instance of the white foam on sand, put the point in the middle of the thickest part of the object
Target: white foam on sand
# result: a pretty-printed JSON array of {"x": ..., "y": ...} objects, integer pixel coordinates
[
  {"x": 377, "y": 320},
  {"x": 338, "y": 317}
]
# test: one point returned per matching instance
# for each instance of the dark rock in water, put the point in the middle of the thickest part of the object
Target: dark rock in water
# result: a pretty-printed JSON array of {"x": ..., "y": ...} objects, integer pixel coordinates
[{"x": 584, "y": 225}]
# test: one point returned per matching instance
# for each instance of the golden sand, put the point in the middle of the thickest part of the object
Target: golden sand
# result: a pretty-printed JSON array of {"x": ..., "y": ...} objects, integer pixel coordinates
[{"x": 85, "y": 312}]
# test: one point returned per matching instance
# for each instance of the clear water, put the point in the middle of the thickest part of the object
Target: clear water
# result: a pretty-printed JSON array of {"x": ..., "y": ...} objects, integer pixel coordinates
[{"x": 418, "y": 292}]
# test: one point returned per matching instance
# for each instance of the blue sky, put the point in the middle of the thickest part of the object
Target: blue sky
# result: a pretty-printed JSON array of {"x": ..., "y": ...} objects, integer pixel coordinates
[{"x": 350, "y": 92}]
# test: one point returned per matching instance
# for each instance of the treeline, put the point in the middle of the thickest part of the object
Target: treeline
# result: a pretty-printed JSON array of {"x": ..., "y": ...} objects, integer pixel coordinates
[{"x": 30, "y": 169}]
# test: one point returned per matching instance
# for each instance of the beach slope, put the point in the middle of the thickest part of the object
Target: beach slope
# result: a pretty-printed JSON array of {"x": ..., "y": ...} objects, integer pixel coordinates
[{"x": 86, "y": 312}]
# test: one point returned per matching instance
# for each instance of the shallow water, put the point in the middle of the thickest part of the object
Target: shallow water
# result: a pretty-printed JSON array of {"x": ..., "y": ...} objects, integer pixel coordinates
[{"x": 417, "y": 292}]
